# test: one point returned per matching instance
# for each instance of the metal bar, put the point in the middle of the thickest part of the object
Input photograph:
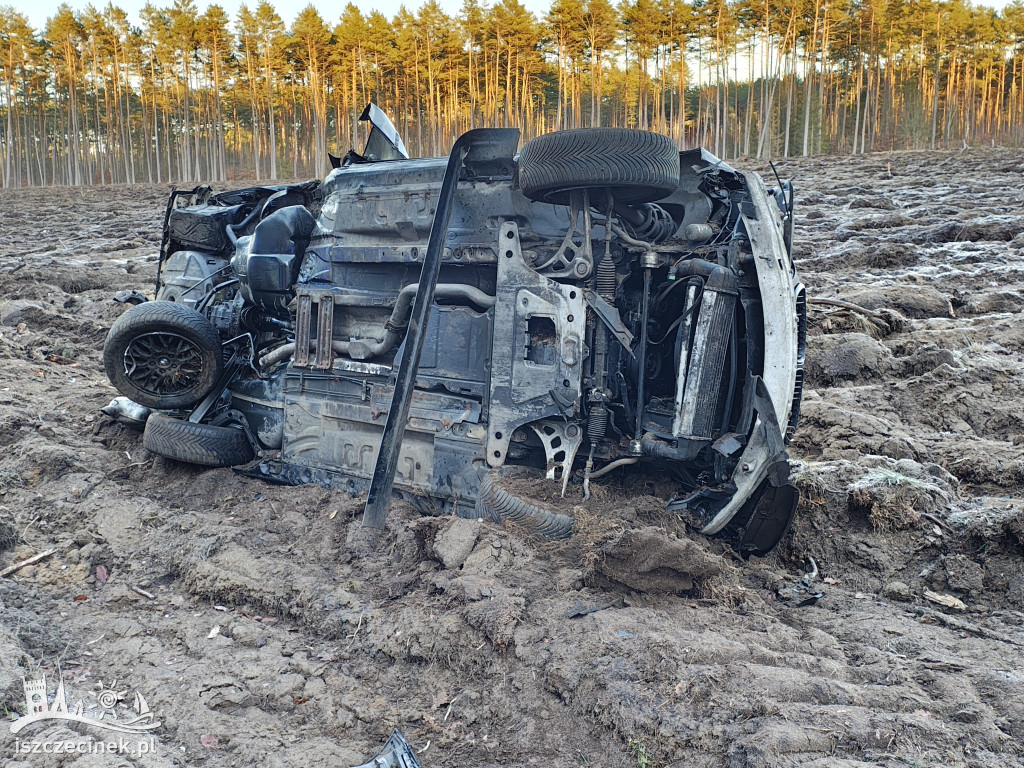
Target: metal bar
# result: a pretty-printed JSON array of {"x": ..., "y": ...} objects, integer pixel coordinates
[
  {"x": 235, "y": 364},
  {"x": 303, "y": 319},
  {"x": 324, "y": 333},
  {"x": 610, "y": 316},
  {"x": 165, "y": 238},
  {"x": 383, "y": 480}
]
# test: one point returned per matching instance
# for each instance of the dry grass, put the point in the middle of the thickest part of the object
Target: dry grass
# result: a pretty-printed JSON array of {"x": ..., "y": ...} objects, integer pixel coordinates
[{"x": 895, "y": 500}]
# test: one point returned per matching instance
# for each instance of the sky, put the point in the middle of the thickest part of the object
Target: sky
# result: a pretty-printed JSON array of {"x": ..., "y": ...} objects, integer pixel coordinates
[{"x": 39, "y": 10}]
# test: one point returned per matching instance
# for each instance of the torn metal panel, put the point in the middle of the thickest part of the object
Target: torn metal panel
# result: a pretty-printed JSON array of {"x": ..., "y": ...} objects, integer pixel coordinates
[{"x": 397, "y": 752}]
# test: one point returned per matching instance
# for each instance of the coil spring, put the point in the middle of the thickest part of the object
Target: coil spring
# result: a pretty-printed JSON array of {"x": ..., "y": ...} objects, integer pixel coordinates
[
  {"x": 656, "y": 227},
  {"x": 597, "y": 422}
]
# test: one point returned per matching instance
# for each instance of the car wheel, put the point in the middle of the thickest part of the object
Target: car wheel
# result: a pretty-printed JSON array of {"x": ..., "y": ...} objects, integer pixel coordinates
[
  {"x": 205, "y": 444},
  {"x": 637, "y": 166},
  {"x": 499, "y": 504},
  {"x": 163, "y": 355}
]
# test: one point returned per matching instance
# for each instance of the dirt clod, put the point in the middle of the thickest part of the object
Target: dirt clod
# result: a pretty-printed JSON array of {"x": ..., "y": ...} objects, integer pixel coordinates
[
  {"x": 846, "y": 357},
  {"x": 455, "y": 541},
  {"x": 650, "y": 560}
]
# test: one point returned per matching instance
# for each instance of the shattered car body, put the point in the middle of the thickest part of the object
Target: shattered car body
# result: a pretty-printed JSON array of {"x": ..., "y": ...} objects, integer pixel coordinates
[{"x": 598, "y": 301}]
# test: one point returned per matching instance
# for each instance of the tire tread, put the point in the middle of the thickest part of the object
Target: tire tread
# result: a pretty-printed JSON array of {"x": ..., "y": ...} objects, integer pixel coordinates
[
  {"x": 203, "y": 444},
  {"x": 641, "y": 166}
]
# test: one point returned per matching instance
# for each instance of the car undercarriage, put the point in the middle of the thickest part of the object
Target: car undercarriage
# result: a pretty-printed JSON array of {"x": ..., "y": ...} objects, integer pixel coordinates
[{"x": 599, "y": 302}]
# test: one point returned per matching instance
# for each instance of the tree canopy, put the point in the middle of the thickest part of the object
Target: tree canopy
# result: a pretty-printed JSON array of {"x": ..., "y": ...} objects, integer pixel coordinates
[{"x": 93, "y": 99}]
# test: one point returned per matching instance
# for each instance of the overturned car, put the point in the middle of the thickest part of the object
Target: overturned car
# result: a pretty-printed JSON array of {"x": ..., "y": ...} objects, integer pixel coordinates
[{"x": 433, "y": 326}]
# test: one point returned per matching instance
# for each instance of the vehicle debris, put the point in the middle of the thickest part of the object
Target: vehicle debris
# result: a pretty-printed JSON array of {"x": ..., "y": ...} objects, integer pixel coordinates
[
  {"x": 599, "y": 302},
  {"x": 127, "y": 411},
  {"x": 579, "y": 608},
  {"x": 130, "y": 297},
  {"x": 801, "y": 591},
  {"x": 396, "y": 753}
]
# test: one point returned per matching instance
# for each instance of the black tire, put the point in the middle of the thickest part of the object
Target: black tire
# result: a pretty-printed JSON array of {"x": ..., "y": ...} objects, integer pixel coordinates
[
  {"x": 204, "y": 444},
  {"x": 764, "y": 519},
  {"x": 638, "y": 166},
  {"x": 163, "y": 355},
  {"x": 499, "y": 505}
]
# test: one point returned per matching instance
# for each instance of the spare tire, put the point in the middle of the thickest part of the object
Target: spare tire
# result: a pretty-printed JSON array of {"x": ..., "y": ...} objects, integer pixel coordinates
[
  {"x": 637, "y": 166},
  {"x": 163, "y": 355},
  {"x": 498, "y": 504},
  {"x": 205, "y": 444}
]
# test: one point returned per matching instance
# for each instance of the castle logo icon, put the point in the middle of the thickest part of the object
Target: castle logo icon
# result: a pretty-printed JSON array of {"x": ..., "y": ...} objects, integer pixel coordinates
[{"x": 38, "y": 708}]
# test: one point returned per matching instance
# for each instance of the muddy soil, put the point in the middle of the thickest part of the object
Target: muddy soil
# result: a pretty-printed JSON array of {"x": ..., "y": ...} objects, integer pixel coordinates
[{"x": 264, "y": 628}]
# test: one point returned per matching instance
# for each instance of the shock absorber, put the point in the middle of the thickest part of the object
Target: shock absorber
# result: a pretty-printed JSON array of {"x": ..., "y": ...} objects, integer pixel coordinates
[
  {"x": 597, "y": 421},
  {"x": 649, "y": 261}
]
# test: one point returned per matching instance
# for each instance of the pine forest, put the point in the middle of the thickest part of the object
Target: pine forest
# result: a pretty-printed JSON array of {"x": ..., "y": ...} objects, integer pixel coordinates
[{"x": 93, "y": 98}]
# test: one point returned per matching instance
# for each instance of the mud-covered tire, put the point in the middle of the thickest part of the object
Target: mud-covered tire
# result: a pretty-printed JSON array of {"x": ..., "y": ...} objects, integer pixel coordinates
[
  {"x": 764, "y": 519},
  {"x": 495, "y": 503},
  {"x": 144, "y": 326},
  {"x": 638, "y": 166},
  {"x": 204, "y": 444}
]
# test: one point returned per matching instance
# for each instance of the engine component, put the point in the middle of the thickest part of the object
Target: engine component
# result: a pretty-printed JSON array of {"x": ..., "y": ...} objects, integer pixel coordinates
[
  {"x": 187, "y": 276},
  {"x": 266, "y": 263},
  {"x": 698, "y": 233},
  {"x": 227, "y": 316},
  {"x": 698, "y": 409},
  {"x": 203, "y": 227}
]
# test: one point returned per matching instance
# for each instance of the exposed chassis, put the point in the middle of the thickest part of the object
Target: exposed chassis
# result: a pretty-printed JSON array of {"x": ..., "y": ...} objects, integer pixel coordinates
[{"x": 487, "y": 310}]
